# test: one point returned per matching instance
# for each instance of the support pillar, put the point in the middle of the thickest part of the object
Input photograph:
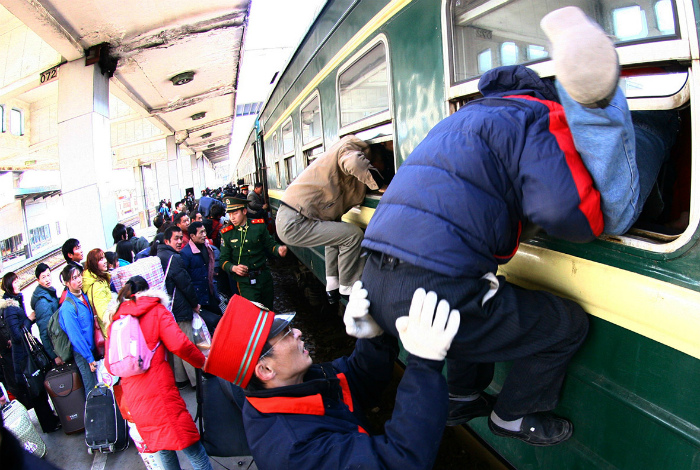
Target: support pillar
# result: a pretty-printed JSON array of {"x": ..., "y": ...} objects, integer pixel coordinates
[
  {"x": 85, "y": 156},
  {"x": 173, "y": 153}
]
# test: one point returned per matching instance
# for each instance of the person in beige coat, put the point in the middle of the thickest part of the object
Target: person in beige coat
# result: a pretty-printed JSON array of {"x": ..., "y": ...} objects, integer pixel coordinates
[{"x": 314, "y": 203}]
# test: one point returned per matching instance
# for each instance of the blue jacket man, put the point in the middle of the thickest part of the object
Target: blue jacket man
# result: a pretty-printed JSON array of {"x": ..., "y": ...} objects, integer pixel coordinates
[{"x": 505, "y": 162}]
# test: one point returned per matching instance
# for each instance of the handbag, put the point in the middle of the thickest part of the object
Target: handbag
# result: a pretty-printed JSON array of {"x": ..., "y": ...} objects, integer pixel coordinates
[{"x": 36, "y": 364}]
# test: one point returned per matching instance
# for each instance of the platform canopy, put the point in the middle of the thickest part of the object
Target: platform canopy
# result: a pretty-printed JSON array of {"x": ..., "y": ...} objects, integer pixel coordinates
[{"x": 176, "y": 68}]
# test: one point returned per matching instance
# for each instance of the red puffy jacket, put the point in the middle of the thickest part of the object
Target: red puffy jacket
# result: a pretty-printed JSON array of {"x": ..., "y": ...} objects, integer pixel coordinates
[{"x": 153, "y": 401}]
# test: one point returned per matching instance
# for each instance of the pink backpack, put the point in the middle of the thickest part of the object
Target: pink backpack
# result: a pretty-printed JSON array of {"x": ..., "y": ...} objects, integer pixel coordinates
[{"x": 128, "y": 353}]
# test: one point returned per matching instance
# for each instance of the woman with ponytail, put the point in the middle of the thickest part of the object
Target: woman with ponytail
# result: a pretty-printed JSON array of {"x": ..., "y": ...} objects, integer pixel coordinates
[
  {"x": 96, "y": 279},
  {"x": 153, "y": 400}
]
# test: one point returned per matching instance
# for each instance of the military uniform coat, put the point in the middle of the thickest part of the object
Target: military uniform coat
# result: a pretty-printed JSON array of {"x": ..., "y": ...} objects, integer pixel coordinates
[{"x": 249, "y": 244}]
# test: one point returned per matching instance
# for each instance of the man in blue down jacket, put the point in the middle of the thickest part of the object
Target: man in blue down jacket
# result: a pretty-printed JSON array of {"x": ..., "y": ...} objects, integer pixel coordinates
[{"x": 507, "y": 160}]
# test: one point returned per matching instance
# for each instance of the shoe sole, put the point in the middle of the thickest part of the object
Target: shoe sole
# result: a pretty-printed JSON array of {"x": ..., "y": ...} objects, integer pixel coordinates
[{"x": 516, "y": 435}]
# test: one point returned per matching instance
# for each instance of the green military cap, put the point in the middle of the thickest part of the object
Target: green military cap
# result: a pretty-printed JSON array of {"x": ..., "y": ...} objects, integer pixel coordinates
[{"x": 234, "y": 203}]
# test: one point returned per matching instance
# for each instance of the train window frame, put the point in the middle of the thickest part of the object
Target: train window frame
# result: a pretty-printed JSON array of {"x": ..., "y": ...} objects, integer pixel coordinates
[
  {"x": 2, "y": 118},
  {"x": 314, "y": 142},
  {"x": 663, "y": 51},
  {"x": 312, "y": 153},
  {"x": 374, "y": 119},
  {"x": 284, "y": 151},
  {"x": 655, "y": 49}
]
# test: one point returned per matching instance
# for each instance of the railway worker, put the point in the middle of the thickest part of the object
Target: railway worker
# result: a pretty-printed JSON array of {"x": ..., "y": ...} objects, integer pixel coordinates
[
  {"x": 511, "y": 162},
  {"x": 314, "y": 203},
  {"x": 301, "y": 415},
  {"x": 245, "y": 245}
]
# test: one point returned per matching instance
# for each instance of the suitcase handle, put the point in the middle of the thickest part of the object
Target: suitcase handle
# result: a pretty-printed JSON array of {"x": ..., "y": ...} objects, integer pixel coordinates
[{"x": 64, "y": 393}]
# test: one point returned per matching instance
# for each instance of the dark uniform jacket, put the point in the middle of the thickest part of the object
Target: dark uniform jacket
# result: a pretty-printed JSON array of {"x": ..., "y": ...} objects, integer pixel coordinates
[
  {"x": 179, "y": 282},
  {"x": 319, "y": 424},
  {"x": 497, "y": 163},
  {"x": 256, "y": 243}
]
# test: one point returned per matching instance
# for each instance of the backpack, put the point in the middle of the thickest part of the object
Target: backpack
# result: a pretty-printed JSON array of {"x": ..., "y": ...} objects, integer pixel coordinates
[
  {"x": 59, "y": 339},
  {"x": 127, "y": 353}
]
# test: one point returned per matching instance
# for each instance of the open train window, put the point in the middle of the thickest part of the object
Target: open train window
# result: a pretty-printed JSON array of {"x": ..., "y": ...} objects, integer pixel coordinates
[
  {"x": 290, "y": 171},
  {"x": 363, "y": 89},
  {"x": 311, "y": 129},
  {"x": 272, "y": 152},
  {"x": 495, "y": 33}
]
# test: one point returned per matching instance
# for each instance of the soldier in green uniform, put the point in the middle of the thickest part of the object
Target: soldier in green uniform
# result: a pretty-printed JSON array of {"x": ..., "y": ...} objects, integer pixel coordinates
[{"x": 244, "y": 246}]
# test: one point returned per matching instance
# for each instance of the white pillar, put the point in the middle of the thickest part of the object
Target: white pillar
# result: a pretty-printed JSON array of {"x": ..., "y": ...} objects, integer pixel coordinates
[
  {"x": 173, "y": 151},
  {"x": 85, "y": 157},
  {"x": 162, "y": 177}
]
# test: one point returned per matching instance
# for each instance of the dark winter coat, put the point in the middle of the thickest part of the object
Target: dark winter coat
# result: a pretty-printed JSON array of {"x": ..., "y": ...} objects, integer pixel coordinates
[
  {"x": 152, "y": 398},
  {"x": 15, "y": 317},
  {"x": 201, "y": 272},
  {"x": 179, "y": 282},
  {"x": 44, "y": 303},
  {"x": 320, "y": 423},
  {"x": 486, "y": 170}
]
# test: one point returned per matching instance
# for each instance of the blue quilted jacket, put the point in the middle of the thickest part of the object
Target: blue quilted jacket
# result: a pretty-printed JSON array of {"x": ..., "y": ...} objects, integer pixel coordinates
[{"x": 483, "y": 172}]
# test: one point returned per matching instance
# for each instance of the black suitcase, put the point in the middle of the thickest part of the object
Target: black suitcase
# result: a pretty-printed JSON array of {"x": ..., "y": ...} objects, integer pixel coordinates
[
  {"x": 105, "y": 428},
  {"x": 65, "y": 388}
]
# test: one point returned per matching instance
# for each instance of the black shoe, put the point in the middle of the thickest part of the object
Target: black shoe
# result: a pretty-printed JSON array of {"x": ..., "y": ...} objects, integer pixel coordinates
[
  {"x": 181, "y": 385},
  {"x": 333, "y": 296},
  {"x": 460, "y": 412},
  {"x": 55, "y": 428},
  {"x": 538, "y": 429}
]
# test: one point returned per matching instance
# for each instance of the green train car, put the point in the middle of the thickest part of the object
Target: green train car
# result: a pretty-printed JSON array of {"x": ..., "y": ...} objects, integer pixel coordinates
[{"x": 389, "y": 70}]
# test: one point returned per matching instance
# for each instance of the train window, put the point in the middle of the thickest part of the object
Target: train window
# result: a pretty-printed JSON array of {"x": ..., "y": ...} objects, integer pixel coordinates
[
  {"x": 490, "y": 33},
  {"x": 287, "y": 137},
  {"x": 312, "y": 154},
  {"x": 290, "y": 169},
  {"x": 311, "y": 121},
  {"x": 277, "y": 174},
  {"x": 16, "y": 122},
  {"x": 363, "y": 88}
]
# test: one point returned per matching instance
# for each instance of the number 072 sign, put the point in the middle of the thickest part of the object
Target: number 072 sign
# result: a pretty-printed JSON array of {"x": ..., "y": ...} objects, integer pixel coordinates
[{"x": 49, "y": 75}]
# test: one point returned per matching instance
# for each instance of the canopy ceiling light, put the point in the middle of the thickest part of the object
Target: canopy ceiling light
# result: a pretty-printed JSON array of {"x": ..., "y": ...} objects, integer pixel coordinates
[
  {"x": 210, "y": 146},
  {"x": 198, "y": 116},
  {"x": 182, "y": 78},
  {"x": 206, "y": 135}
]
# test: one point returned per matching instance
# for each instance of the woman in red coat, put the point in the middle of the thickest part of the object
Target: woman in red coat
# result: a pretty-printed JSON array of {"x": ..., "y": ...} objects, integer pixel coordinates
[{"x": 153, "y": 401}]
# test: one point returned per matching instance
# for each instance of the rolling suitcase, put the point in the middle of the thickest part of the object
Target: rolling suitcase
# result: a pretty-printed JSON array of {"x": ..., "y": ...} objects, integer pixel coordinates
[
  {"x": 17, "y": 421},
  {"x": 105, "y": 428},
  {"x": 67, "y": 395}
]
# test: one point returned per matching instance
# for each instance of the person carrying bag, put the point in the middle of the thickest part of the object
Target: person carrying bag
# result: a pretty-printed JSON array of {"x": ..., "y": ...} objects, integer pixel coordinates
[{"x": 36, "y": 364}]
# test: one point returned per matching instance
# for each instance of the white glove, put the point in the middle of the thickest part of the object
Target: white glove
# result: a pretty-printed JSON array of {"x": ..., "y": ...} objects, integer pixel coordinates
[
  {"x": 420, "y": 335},
  {"x": 358, "y": 322}
]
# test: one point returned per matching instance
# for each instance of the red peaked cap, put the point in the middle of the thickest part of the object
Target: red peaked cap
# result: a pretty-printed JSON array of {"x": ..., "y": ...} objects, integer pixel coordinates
[{"x": 238, "y": 341}]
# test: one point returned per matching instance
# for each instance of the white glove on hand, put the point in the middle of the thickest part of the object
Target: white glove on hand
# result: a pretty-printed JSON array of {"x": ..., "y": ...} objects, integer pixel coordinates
[
  {"x": 420, "y": 335},
  {"x": 358, "y": 322}
]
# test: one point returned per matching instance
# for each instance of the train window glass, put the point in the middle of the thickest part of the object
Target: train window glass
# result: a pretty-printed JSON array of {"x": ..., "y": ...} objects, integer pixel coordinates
[
  {"x": 16, "y": 122},
  {"x": 277, "y": 174},
  {"x": 287, "y": 137},
  {"x": 512, "y": 28},
  {"x": 311, "y": 121},
  {"x": 509, "y": 53},
  {"x": 290, "y": 169},
  {"x": 312, "y": 154},
  {"x": 363, "y": 87}
]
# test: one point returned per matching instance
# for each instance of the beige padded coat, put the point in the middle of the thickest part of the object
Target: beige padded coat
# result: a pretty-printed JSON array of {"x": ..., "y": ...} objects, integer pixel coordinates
[{"x": 334, "y": 183}]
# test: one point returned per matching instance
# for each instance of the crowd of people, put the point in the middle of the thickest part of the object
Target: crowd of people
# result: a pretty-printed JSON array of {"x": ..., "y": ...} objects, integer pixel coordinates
[{"x": 424, "y": 272}]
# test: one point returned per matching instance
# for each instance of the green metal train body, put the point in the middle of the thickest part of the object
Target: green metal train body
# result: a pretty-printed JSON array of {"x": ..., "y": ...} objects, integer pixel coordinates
[{"x": 388, "y": 71}]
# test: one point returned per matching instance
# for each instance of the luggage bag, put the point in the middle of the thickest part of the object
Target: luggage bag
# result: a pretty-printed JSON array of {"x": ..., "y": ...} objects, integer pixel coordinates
[
  {"x": 105, "y": 428},
  {"x": 17, "y": 421},
  {"x": 65, "y": 389}
]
